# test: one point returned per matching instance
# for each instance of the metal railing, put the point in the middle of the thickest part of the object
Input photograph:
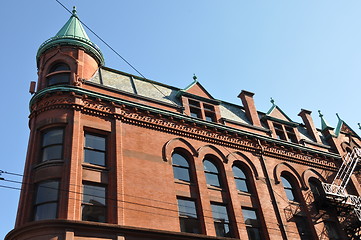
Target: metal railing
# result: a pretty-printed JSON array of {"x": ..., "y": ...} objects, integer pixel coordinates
[{"x": 337, "y": 189}]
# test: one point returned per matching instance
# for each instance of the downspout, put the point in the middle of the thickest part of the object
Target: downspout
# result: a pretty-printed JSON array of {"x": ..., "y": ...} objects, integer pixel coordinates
[{"x": 270, "y": 190}]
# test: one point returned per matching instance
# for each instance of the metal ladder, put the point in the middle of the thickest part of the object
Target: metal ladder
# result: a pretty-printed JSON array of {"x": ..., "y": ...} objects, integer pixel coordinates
[{"x": 337, "y": 189}]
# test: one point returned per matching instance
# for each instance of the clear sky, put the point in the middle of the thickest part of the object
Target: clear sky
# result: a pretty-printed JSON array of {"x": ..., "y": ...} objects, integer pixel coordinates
[{"x": 304, "y": 54}]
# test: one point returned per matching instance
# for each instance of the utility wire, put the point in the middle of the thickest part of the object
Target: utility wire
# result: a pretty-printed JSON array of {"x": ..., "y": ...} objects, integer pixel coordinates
[
  {"x": 156, "y": 213},
  {"x": 128, "y": 202},
  {"x": 132, "y": 196},
  {"x": 110, "y": 47},
  {"x": 155, "y": 200}
]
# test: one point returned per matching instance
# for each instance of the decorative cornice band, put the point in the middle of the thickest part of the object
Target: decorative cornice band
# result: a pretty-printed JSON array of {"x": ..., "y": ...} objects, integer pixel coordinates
[{"x": 181, "y": 117}]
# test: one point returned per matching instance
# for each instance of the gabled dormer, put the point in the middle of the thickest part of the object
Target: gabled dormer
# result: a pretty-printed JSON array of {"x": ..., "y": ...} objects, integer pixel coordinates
[
  {"x": 281, "y": 126},
  {"x": 198, "y": 103}
]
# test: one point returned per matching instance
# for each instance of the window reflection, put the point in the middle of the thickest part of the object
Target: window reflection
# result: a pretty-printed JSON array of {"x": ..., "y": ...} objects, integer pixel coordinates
[
  {"x": 180, "y": 167},
  {"x": 212, "y": 173}
]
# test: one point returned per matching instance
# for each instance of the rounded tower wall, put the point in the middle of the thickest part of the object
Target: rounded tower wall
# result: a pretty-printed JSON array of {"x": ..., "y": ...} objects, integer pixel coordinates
[{"x": 81, "y": 65}]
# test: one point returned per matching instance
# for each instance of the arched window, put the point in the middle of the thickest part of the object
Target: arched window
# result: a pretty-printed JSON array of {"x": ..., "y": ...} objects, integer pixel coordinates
[
  {"x": 240, "y": 179},
  {"x": 316, "y": 189},
  {"x": 289, "y": 189},
  {"x": 212, "y": 174},
  {"x": 58, "y": 74},
  {"x": 180, "y": 167}
]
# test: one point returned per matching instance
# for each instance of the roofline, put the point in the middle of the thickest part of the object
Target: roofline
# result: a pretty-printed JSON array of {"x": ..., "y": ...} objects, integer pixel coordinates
[
  {"x": 176, "y": 115},
  {"x": 139, "y": 78}
]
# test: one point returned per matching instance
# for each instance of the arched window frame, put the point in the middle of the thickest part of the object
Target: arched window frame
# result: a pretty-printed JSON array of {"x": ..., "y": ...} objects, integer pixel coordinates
[
  {"x": 54, "y": 72},
  {"x": 289, "y": 188},
  {"x": 244, "y": 178},
  {"x": 179, "y": 168},
  {"x": 213, "y": 178}
]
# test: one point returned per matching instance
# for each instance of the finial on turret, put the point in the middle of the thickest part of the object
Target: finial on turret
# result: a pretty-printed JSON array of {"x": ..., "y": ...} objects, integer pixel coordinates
[
  {"x": 74, "y": 10},
  {"x": 272, "y": 101},
  {"x": 338, "y": 116},
  {"x": 194, "y": 77},
  {"x": 359, "y": 125},
  {"x": 320, "y": 114}
]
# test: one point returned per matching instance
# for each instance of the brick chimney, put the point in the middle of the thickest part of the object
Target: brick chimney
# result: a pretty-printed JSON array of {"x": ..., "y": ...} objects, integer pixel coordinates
[
  {"x": 310, "y": 126},
  {"x": 250, "y": 108}
]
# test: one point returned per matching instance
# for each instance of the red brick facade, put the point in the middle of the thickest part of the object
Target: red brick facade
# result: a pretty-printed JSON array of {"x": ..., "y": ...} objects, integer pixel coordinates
[{"x": 141, "y": 135}]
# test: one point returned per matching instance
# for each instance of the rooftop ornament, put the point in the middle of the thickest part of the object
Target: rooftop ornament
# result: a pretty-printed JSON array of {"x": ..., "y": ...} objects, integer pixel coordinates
[
  {"x": 194, "y": 77},
  {"x": 273, "y": 101},
  {"x": 72, "y": 34}
]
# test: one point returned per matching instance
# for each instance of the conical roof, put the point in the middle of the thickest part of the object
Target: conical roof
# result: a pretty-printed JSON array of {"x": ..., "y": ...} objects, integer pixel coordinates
[{"x": 73, "y": 34}]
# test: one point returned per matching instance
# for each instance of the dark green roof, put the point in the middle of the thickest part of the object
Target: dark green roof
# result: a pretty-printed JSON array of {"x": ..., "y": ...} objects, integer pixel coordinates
[{"x": 73, "y": 34}]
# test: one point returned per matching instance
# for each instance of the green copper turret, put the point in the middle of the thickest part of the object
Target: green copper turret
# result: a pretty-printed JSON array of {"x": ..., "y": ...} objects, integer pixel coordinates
[{"x": 72, "y": 34}]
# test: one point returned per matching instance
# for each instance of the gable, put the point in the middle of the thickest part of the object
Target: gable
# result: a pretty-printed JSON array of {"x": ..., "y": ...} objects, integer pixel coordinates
[
  {"x": 277, "y": 113},
  {"x": 197, "y": 89},
  {"x": 346, "y": 129}
]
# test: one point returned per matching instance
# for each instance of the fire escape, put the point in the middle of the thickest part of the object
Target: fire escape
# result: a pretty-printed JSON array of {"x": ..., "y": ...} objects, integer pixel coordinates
[{"x": 348, "y": 206}]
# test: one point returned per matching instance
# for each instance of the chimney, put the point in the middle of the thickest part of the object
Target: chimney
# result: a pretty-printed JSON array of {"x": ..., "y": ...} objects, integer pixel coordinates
[
  {"x": 248, "y": 104},
  {"x": 32, "y": 87},
  {"x": 307, "y": 120}
]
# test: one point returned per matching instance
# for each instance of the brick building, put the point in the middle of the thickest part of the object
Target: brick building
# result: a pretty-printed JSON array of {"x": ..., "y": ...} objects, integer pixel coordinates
[{"x": 115, "y": 156}]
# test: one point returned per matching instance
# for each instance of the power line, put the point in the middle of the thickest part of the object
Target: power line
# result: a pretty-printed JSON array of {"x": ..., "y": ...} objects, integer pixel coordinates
[
  {"x": 128, "y": 202},
  {"x": 156, "y": 213},
  {"x": 112, "y": 49},
  {"x": 155, "y": 200}
]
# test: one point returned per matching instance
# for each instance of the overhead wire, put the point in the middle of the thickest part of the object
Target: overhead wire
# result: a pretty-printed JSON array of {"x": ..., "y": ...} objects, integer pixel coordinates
[
  {"x": 132, "y": 196},
  {"x": 128, "y": 202},
  {"x": 113, "y": 50},
  {"x": 155, "y": 213}
]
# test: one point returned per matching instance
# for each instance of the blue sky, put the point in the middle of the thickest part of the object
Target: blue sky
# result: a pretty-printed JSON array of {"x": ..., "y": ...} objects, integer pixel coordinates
[{"x": 304, "y": 54}]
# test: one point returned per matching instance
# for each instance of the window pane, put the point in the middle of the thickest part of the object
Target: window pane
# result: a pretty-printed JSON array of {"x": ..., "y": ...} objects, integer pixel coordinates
[
  {"x": 181, "y": 173},
  {"x": 46, "y": 211},
  {"x": 253, "y": 233},
  {"x": 179, "y": 160},
  {"x": 212, "y": 179},
  {"x": 189, "y": 225},
  {"x": 94, "y": 157},
  {"x": 286, "y": 183},
  {"x": 93, "y": 213},
  {"x": 208, "y": 107},
  {"x": 195, "y": 112},
  {"x": 187, "y": 208},
  {"x": 210, "y": 118},
  {"x": 222, "y": 229},
  {"x": 61, "y": 78},
  {"x": 315, "y": 189},
  {"x": 209, "y": 166},
  {"x": 52, "y": 153},
  {"x": 193, "y": 103},
  {"x": 95, "y": 142},
  {"x": 94, "y": 195},
  {"x": 47, "y": 192},
  {"x": 59, "y": 67},
  {"x": 237, "y": 172},
  {"x": 219, "y": 212},
  {"x": 241, "y": 185},
  {"x": 290, "y": 195},
  {"x": 53, "y": 137},
  {"x": 250, "y": 217}
]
